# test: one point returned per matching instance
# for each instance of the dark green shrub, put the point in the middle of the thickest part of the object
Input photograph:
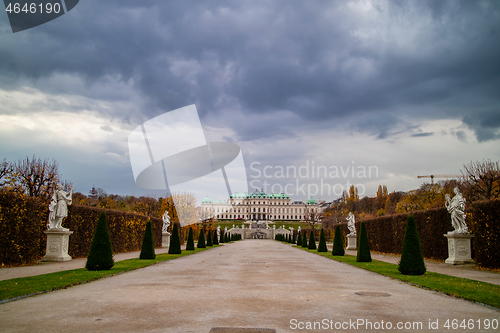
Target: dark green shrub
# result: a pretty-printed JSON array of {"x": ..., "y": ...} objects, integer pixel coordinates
[
  {"x": 299, "y": 239},
  {"x": 363, "y": 254},
  {"x": 209, "y": 238},
  {"x": 294, "y": 241},
  {"x": 312, "y": 241},
  {"x": 322, "y": 242},
  {"x": 190, "y": 241},
  {"x": 175, "y": 242},
  {"x": 226, "y": 237},
  {"x": 148, "y": 245},
  {"x": 201, "y": 240},
  {"x": 216, "y": 239},
  {"x": 338, "y": 243},
  {"x": 304, "y": 240},
  {"x": 412, "y": 260},
  {"x": 222, "y": 238},
  {"x": 101, "y": 254}
]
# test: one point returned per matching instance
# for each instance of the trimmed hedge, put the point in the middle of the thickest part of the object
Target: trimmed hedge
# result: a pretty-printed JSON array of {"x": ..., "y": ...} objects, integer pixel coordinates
[
  {"x": 101, "y": 253},
  {"x": 412, "y": 261},
  {"x": 190, "y": 241},
  {"x": 148, "y": 247},
  {"x": 363, "y": 254},
  {"x": 338, "y": 243},
  {"x": 23, "y": 221}
]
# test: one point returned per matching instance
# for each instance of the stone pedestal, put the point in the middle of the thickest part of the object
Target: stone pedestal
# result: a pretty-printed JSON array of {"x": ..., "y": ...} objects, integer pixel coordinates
[
  {"x": 57, "y": 245},
  {"x": 351, "y": 242},
  {"x": 165, "y": 240},
  {"x": 459, "y": 249}
]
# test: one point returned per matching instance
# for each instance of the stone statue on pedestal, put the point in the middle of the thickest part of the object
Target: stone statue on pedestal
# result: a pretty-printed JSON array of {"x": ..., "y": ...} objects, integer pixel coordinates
[
  {"x": 58, "y": 207},
  {"x": 456, "y": 207},
  {"x": 218, "y": 231},
  {"x": 351, "y": 224},
  {"x": 166, "y": 222}
]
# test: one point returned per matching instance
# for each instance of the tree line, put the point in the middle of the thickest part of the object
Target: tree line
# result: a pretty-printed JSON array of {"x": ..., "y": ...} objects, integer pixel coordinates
[{"x": 480, "y": 180}]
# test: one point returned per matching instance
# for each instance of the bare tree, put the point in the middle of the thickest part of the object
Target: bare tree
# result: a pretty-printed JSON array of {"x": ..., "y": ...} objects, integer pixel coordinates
[
  {"x": 35, "y": 176},
  {"x": 6, "y": 171},
  {"x": 313, "y": 216},
  {"x": 482, "y": 179}
]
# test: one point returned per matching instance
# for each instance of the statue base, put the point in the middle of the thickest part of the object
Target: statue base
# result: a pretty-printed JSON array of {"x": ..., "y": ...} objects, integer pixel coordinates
[
  {"x": 165, "y": 239},
  {"x": 57, "y": 245},
  {"x": 459, "y": 249},
  {"x": 351, "y": 242}
]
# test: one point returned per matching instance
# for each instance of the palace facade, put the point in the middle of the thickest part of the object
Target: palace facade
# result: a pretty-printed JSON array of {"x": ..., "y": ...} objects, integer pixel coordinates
[{"x": 259, "y": 206}]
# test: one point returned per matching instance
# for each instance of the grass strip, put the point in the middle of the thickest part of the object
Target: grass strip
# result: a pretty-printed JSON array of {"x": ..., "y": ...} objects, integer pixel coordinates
[
  {"x": 477, "y": 291},
  {"x": 32, "y": 285}
]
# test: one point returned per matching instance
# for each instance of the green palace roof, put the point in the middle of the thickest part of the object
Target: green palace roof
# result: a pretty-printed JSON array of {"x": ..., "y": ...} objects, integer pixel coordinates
[
  {"x": 239, "y": 196},
  {"x": 206, "y": 200},
  {"x": 311, "y": 202}
]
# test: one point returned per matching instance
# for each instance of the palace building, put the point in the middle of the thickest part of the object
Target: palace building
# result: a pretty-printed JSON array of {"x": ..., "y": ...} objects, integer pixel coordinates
[{"x": 259, "y": 206}]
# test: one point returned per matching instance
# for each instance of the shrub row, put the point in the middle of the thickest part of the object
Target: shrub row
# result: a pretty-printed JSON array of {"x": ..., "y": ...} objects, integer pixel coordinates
[
  {"x": 386, "y": 233},
  {"x": 23, "y": 221}
]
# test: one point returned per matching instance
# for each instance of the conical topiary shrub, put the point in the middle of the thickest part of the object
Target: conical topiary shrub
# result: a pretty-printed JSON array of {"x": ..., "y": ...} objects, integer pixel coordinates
[
  {"x": 175, "y": 242},
  {"x": 101, "y": 254},
  {"x": 222, "y": 239},
  {"x": 201, "y": 240},
  {"x": 312, "y": 241},
  {"x": 148, "y": 244},
  {"x": 412, "y": 260},
  {"x": 363, "y": 246},
  {"x": 293, "y": 238},
  {"x": 216, "y": 239},
  {"x": 338, "y": 243},
  {"x": 209, "y": 238},
  {"x": 299, "y": 239},
  {"x": 190, "y": 241},
  {"x": 304, "y": 240},
  {"x": 322, "y": 242}
]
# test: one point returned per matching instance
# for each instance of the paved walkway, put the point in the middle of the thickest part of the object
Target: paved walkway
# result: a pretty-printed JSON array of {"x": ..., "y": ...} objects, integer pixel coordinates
[
  {"x": 51, "y": 267},
  {"x": 252, "y": 284},
  {"x": 464, "y": 271}
]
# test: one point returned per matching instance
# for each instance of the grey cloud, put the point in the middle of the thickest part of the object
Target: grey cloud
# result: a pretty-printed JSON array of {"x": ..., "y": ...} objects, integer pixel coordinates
[
  {"x": 319, "y": 61},
  {"x": 485, "y": 124},
  {"x": 461, "y": 136},
  {"x": 422, "y": 134}
]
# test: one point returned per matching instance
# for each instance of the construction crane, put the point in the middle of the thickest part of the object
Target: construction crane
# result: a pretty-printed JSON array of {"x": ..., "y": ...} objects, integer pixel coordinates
[{"x": 439, "y": 176}]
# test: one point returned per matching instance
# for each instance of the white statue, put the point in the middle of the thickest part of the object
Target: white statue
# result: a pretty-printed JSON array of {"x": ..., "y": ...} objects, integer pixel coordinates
[
  {"x": 166, "y": 222},
  {"x": 218, "y": 231},
  {"x": 274, "y": 227},
  {"x": 242, "y": 226},
  {"x": 233, "y": 226},
  {"x": 456, "y": 207},
  {"x": 291, "y": 229},
  {"x": 350, "y": 224},
  {"x": 58, "y": 207},
  {"x": 298, "y": 230}
]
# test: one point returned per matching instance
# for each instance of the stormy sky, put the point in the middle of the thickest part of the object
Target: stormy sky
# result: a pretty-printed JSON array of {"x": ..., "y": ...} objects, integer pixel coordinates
[{"x": 407, "y": 88}]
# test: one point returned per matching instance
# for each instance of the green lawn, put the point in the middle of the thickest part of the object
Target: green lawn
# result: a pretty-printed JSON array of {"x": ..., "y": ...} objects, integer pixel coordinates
[
  {"x": 288, "y": 224},
  {"x": 47, "y": 282},
  {"x": 473, "y": 290}
]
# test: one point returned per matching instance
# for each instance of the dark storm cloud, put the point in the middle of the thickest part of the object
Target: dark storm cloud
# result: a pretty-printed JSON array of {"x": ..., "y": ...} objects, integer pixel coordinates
[{"x": 318, "y": 61}]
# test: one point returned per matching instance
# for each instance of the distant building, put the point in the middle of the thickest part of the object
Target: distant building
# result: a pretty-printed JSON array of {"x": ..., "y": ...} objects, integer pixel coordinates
[
  {"x": 93, "y": 193},
  {"x": 258, "y": 206}
]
